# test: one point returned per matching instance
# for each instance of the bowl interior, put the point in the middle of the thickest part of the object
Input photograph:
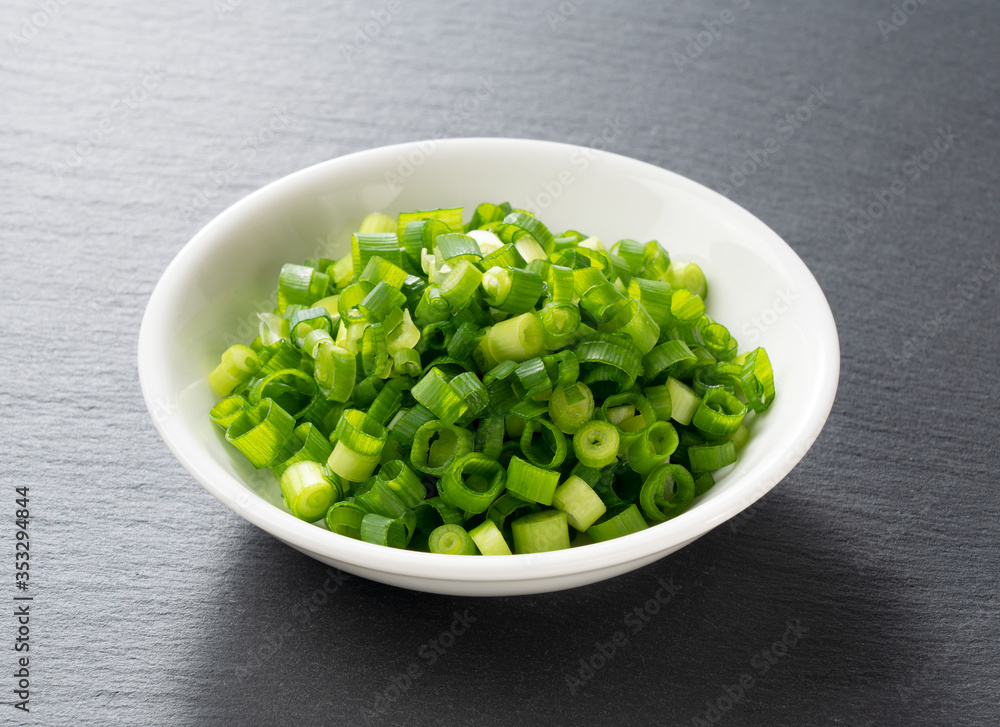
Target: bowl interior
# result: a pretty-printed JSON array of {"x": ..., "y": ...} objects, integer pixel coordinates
[{"x": 209, "y": 296}]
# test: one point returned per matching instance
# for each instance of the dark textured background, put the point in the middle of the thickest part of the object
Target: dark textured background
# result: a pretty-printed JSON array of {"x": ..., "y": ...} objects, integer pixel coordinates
[{"x": 156, "y": 605}]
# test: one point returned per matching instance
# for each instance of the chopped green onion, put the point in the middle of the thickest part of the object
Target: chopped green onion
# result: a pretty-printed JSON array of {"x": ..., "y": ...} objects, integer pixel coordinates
[
  {"x": 228, "y": 410},
  {"x": 488, "y": 539},
  {"x": 344, "y": 518},
  {"x": 616, "y": 523},
  {"x": 472, "y": 482},
  {"x": 571, "y": 406},
  {"x": 437, "y": 444},
  {"x": 688, "y": 276},
  {"x": 531, "y": 483},
  {"x": 596, "y": 444},
  {"x": 307, "y": 492},
  {"x": 261, "y": 431},
  {"x": 453, "y": 359},
  {"x": 516, "y": 339},
  {"x": 434, "y": 392},
  {"x": 541, "y": 532},
  {"x": 666, "y": 492},
  {"x": 382, "y": 530},
  {"x": 238, "y": 364},
  {"x": 708, "y": 457},
  {"x": 654, "y": 445},
  {"x": 583, "y": 506},
  {"x": 683, "y": 401},
  {"x": 451, "y": 539},
  {"x": 757, "y": 380},
  {"x": 719, "y": 414},
  {"x": 543, "y": 444},
  {"x": 360, "y": 440}
]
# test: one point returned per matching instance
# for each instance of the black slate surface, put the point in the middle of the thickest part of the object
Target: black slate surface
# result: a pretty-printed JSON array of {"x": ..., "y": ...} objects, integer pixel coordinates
[{"x": 127, "y": 126}]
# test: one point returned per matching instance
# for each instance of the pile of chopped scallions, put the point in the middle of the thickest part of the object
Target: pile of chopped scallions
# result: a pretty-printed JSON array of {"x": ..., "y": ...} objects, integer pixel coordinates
[{"x": 488, "y": 387}]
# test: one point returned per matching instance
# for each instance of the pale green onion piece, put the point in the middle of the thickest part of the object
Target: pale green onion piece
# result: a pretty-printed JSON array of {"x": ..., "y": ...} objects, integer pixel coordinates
[
  {"x": 488, "y": 539},
  {"x": 596, "y": 444},
  {"x": 238, "y": 364},
  {"x": 578, "y": 500},
  {"x": 449, "y": 539},
  {"x": 683, "y": 401},
  {"x": 541, "y": 532},
  {"x": 516, "y": 339},
  {"x": 688, "y": 276},
  {"x": 571, "y": 406},
  {"x": 360, "y": 440},
  {"x": 378, "y": 222},
  {"x": 307, "y": 492}
]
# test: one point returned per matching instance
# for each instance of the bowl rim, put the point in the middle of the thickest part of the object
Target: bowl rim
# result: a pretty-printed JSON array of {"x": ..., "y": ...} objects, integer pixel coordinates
[{"x": 152, "y": 368}]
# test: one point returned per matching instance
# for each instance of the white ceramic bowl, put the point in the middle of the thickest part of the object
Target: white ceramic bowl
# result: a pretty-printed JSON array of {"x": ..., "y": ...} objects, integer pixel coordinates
[{"x": 758, "y": 288}]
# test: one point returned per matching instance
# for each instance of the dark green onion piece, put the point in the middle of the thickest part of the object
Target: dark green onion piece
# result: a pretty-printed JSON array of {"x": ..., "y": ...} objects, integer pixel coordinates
[
  {"x": 380, "y": 530},
  {"x": 667, "y": 491},
  {"x": 719, "y": 414},
  {"x": 653, "y": 446},
  {"x": 543, "y": 444},
  {"x": 436, "y": 445},
  {"x": 344, "y": 518},
  {"x": 757, "y": 380},
  {"x": 472, "y": 482},
  {"x": 489, "y": 436}
]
